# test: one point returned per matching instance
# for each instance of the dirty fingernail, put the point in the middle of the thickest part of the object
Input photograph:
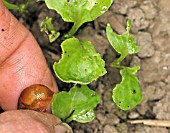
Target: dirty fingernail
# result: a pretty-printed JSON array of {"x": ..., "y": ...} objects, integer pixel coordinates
[{"x": 63, "y": 128}]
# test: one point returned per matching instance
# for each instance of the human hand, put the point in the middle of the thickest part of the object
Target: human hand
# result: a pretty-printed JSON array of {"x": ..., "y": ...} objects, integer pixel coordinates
[
  {"x": 21, "y": 64},
  {"x": 28, "y": 121}
]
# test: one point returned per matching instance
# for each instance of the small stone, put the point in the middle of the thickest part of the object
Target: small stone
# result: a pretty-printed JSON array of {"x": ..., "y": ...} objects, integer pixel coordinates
[
  {"x": 112, "y": 119},
  {"x": 100, "y": 88},
  {"x": 109, "y": 118},
  {"x": 149, "y": 9},
  {"x": 143, "y": 107},
  {"x": 122, "y": 128},
  {"x": 144, "y": 39},
  {"x": 109, "y": 105},
  {"x": 135, "y": 61},
  {"x": 101, "y": 118},
  {"x": 109, "y": 129},
  {"x": 119, "y": 7},
  {"x": 117, "y": 25},
  {"x": 122, "y": 6},
  {"x": 133, "y": 115},
  {"x": 121, "y": 114},
  {"x": 138, "y": 20},
  {"x": 107, "y": 96},
  {"x": 131, "y": 3}
]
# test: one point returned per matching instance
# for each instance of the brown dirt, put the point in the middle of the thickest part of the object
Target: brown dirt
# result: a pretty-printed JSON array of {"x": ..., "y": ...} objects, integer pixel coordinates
[{"x": 151, "y": 29}]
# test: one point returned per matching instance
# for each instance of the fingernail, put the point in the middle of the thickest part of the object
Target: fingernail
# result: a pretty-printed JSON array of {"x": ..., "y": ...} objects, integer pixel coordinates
[{"x": 63, "y": 128}]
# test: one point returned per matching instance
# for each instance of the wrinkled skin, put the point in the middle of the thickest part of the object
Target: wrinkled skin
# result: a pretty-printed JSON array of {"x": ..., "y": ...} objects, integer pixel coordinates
[
  {"x": 22, "y": 64},
  {"x": 27, "y": 121},
  {"x": 21, "y": 61}
]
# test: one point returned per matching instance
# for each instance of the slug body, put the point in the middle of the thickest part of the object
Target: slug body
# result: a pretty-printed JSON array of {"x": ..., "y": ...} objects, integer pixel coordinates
[{"x": 36, "y": 97}]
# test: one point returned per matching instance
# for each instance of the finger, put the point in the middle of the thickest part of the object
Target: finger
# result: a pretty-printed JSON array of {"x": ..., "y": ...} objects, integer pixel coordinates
[
  {"x": 27, "y": 121},
  {"x": 21, "y": 61}
]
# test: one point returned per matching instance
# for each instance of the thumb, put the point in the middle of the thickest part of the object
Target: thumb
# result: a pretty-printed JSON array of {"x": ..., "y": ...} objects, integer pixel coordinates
[
  {"x": 27, "y": 121},
  {"x": 22, "y": 63}
]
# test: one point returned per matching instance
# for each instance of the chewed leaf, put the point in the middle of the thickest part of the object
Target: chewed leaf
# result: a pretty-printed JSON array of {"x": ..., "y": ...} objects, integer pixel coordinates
[
  {"x": 48, "y": 27},
  {"x": 79, "y": 10},
  {"x": 123, "y": 44},
  {"x": 77, "y": 104},
  {"x": 79, "y": 63},
  {"x": 84, "y": 116},
  {"x": 127, "y": 94}
]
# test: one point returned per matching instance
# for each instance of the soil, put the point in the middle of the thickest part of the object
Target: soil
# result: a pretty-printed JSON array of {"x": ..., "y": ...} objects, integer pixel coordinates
[{"x": 151, "y": 29}]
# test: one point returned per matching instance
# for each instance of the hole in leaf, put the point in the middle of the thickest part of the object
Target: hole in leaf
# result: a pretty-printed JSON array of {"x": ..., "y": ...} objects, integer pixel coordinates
[
  {"x": 134, "y": 91},
  {"x": 65, "y": 52},
  {"x": 2, "y": 30},
  {"x": 68, "y": 0},
  {"x": 78, "y": 86}
]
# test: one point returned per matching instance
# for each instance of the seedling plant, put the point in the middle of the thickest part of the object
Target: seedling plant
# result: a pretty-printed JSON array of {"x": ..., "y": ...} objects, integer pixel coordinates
[{"x": 80, "y": 64}]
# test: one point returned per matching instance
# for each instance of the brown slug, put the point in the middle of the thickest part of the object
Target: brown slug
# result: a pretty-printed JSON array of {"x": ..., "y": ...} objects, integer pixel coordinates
[{"x": 35, "y": 97}]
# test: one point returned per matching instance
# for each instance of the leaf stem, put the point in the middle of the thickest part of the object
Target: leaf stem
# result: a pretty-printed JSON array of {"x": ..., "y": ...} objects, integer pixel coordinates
[
  {"x": 73, "y": 30},
  {"x": 117, "y": 62},
  {"x": 128, "y": 26},
  {"x": 68, "y": 120}
]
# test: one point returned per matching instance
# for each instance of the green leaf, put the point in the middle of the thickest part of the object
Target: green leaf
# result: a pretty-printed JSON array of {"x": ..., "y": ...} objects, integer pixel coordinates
[
  {"x": 79, "y": 63},
  {"x": 48, "y": 27},
  {"x": 79, "y": 11},
  {"x": 21, "y": 8},
  {"x": 77, "y": 104},
  {"x": 84, "y": 116},
  {"x": 10, "y": 6},
  {"x": 123, "y": 44},
  {"x": 127, "y": 94}
]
